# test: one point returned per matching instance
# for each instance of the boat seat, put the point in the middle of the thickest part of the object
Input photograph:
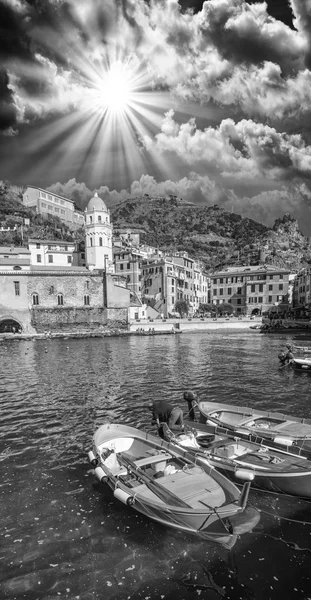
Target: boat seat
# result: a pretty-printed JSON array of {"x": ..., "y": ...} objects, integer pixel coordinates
[{"x": 149, "y": 460}]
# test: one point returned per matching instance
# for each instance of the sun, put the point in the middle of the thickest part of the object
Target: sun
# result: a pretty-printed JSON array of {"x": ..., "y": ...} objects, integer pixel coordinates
[{"x": 116, "y": 88}]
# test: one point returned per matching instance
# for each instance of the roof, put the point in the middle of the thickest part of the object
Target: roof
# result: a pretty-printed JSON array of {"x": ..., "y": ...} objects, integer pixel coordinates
[
  {"x": 96, "y": 203},
  {"x": 48, "y": 242},
  {"x": 250, "y": 269},
  {"x": 15, "y": 261},
  {"x": 48, "y": 268},
  {"x": 14, "y": 250}
]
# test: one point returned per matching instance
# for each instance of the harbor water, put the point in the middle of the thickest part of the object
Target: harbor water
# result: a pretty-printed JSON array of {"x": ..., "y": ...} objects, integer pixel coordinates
[{"x": 63, "y": 537}]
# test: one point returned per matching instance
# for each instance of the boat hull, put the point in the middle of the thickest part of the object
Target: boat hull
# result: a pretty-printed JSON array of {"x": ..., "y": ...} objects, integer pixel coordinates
[
  {"x": 193, "y": 499},
  {"x": 268, "y": 468}
]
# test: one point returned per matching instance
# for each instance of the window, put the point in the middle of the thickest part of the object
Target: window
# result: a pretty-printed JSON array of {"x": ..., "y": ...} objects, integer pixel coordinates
[
  {"x": 17, "y": 288},
  {"x": 60, "y": 299},
  {"x": 260, "y": 299},
  {"x": 99, "y": 218},
  {"x": 128, "y": 265},
  {"x": 270, "y": 276},
  {"x": 91, "y": 219},
  {"x": 87, "y": 285},
  {"x": 260, "y": 287},
  {"x": 270, "y": 299},
  {"x": 270, "y": 288},
  {"x": 86, "y": 300},
  {"x": 239, "y": 290},
  {"x": 39, "y": 258},
  {"x": 121, "y": 266},
  {"x": 239, "y": 301},
  {"x": 229, "y": 291},
  {"x": 221, "y": 280},
  {"x": 35, "y": 299},
  {"x": 66, "y": 248},
  {"x": 221, "y": 292},
  {"x": 252, "y": 288},
  {"x": 50, "y": 258},
  {"x": 214, "y": 292},
  {"x": 82, "y": 255},
  {"x": 69, "y": 259},
  {"x": 281, "y": 276},
  {"x": 91, "y": 241},
  {"x": 37, "y": 245},
  {"x": 51, "y": 290},
  {"x": 280, "y": 286},
  {"x": 100, "y": 241},
  {"x": 62, "y": 211}
]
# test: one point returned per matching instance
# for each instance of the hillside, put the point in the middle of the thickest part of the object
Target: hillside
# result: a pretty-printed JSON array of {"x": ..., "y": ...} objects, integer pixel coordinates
[
  {"x": 13, "y": 214},
  {"x": 208, "y": 233},
  {"x": 213, "y": 235}
]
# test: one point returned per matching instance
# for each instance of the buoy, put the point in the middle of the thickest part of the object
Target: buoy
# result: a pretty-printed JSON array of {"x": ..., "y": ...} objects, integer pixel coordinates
[
  {"x": 92, "y": 458},
  {"x": 283, "y": 441},
  {"x": 244, "y": 474},
  {"x": 124, "y": 497},
  {"x": 100, "y": 474}
]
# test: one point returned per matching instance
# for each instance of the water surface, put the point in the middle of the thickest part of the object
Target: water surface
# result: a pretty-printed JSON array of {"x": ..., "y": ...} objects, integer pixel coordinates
[{"x": 62, "y": 538}]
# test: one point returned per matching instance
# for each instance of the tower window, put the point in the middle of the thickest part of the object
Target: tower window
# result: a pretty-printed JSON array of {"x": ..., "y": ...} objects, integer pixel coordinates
[
  {"x": 91, "y": 219},
  {"x": 100, "y": 241},
  {"x": 99, "y": 218},
  {"x": 91, "y": 241},
  {"x": 60, "y": 299},
  {"x": 17, "y": 288},
  {"x": 86, "y": 300}
]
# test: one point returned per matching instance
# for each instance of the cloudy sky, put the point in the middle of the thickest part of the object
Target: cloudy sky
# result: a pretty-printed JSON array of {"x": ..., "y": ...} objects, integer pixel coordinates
[{"x": 210, "y": 101}]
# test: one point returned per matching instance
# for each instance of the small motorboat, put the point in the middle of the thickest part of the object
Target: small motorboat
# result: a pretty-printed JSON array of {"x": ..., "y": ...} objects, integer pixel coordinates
[
  {"x": 169, "y": 485},
  {"x": 281, "y": 430},
  {"x": 302, "y": 349},
  {"x": 273, "y": 470}
]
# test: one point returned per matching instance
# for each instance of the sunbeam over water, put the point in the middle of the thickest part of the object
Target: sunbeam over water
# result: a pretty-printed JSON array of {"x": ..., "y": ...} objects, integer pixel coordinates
[{"x": 64, "y": 538}]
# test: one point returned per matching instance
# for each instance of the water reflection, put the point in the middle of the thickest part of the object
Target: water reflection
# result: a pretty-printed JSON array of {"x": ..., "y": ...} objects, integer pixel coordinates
[{"x": 64, "y": 538}]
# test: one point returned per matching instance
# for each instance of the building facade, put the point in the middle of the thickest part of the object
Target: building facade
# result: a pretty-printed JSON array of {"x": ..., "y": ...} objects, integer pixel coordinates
[
  {"x": 165, "y": 280},
  {"x": 46, "y": 202},
  {"x": 98, "y": 235},
  {"x": 51, "y": 252},
  {"x": 250, "y": 289}
]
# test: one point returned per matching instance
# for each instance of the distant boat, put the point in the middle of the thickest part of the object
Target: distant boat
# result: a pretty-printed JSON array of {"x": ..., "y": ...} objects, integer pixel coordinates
[
  {"x": 303, "y": 364},
  {"x": 273, "y": 469},
  {"x": 282, "y": 430},
  {"x": 168, "y": 485}
]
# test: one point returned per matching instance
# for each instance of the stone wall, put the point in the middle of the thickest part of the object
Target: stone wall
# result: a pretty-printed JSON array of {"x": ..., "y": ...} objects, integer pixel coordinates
[
  {"x": 74, "y": 320},
  {"x": 73, "y": 287}
]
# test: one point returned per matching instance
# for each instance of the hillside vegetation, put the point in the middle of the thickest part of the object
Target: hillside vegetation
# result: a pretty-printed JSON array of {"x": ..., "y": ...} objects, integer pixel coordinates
[{"x": 208, "y": 233}]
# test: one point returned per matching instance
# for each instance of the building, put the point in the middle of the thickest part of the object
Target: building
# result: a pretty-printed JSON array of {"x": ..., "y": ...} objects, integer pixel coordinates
[
  {"x": 14, "y": 259},
  {"x": 165, "y": 280},
  {"x": 49, "y": 203},
  {"x": 98, "y": 235},
  {"x": 128, "y": 262},
  {"x": 302, "y": 288},
  {"x": 250, "y": 289},
  {"x": 53, "y": 253}
]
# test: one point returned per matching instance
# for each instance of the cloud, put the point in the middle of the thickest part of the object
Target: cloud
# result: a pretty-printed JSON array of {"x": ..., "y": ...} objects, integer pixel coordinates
[{"x": 240, "y": 150}]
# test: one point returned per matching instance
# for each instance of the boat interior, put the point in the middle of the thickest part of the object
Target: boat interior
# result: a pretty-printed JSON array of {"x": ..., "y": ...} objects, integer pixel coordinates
[{"x": 189, "y": 482}]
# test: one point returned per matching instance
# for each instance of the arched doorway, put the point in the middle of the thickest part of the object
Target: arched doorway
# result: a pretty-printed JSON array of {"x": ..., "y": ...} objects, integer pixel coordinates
[
  {"x": 256, "y": 312},
  {"x": 10, "y": 325}
]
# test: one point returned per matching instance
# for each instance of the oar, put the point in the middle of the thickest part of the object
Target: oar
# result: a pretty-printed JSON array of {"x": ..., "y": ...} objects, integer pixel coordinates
[{"x": 154, "y": 486}]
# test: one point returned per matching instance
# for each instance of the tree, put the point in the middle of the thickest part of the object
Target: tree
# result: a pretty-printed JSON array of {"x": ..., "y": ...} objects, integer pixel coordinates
[
  {"x": 226, "y": 307},
  {"x": 182, "y": 306}
]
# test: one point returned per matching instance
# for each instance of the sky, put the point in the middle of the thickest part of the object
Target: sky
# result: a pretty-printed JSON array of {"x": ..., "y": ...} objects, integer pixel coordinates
[{"x": 208, "y": 101}]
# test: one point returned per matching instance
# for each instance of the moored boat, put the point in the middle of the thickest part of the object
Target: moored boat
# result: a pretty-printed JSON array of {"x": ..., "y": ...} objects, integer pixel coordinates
[
  {"x": 303, "y": 364},
  {"x": 272, "y": 469},
  {"x": 282, "y": 430},
  {"x": 168, "y": 485}
]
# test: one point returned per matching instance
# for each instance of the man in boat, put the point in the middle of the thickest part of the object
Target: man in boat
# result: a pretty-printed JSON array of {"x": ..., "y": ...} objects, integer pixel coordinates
[
  {"x": 192, "y": 401},
  {"x": 163, "y": 412}
]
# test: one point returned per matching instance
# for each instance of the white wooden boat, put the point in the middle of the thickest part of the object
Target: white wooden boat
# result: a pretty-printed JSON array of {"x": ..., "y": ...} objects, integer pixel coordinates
[
  {"x": 303, "y": 349},
  {"x": 282, "y": 430},
  {"x": 167, "y": 484},
  {"x": 273, "y": 469},
  {"x": 302, "y": 364}
]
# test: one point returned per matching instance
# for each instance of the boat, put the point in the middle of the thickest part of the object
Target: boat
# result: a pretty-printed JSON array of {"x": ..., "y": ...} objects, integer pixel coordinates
[
  {"x": 303, "y": 349},
  {"x": 273, "y": 470},
  {"x": 281, "y": 430},
  {"x": 169, "y": 485},
  {"x": 303, "y": 364}
]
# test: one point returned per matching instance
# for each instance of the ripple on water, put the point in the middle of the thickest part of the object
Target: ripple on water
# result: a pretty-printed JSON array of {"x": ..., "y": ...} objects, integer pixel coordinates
[{"x": 63, "y": 538}]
